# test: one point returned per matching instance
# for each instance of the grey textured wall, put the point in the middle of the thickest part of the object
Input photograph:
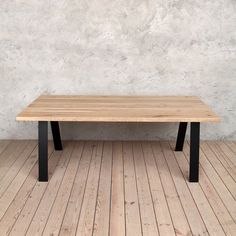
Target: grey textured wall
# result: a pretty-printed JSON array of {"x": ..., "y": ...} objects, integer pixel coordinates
[{"x": 142, "y": 47}]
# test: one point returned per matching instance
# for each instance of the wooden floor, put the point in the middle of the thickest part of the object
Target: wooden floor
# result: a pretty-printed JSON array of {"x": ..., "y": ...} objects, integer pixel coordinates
[{"x": 117, "y": 188}]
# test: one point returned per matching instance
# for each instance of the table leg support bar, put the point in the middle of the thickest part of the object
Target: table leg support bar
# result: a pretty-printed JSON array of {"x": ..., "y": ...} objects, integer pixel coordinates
[
  {"x": 194, "y": 152},
  {"x": 43, "y": 150}
]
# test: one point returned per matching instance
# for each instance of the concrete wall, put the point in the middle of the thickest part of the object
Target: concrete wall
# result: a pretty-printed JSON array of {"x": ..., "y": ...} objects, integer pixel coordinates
[{"x": 142, "y": 47}]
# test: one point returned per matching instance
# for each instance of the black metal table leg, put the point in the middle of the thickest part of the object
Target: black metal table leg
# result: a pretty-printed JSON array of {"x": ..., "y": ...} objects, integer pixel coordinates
[
  {"x": 194, "y": 152},
  {"x": 43, "y": 150},
  {"x": 181, "y": 136},
  {"x": 56, "y": 135}
]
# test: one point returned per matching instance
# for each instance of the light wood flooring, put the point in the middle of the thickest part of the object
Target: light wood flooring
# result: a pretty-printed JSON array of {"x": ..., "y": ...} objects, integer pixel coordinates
[{"x": 117, "y": 188}]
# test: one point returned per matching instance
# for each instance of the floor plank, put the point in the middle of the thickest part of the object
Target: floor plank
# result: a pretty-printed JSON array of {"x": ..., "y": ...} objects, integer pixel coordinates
[
  {"x": 43, "y": 210},
  {"x": 10, "y": 154},
  {"x": 227, "y": 151},
  {"x": 117, "y": 188},
  {"x": 117, "y": 212},
  {"x": 192, "y": 212},
  {"x": 23, "y": 195},
  {"x": 59, "y": 207},
  {"x": 132, "y": 208},
  {"x": 223, "y": 169},
  {"x": 22, "y": 223},
  {"x": 12, "y": 190},
  {"x": 211, "y": 221},
  {"x": 217, "y": 182},
  {"x": 221, "y": 156},
  {"x": 70, "y": 221},
  {"x": 214, "y": 199},
  {"x": 4, "y": 144},
  {"x": 15, "y": 168},
  {"x": 164, "y": 220},
  {"x": 231, "y": 145},
  {"x": 87, "y": 214},
  {"x": 102, "y": 212},
  {"x": 148, "y": 216},
  {"x": 180, "y": 222}
]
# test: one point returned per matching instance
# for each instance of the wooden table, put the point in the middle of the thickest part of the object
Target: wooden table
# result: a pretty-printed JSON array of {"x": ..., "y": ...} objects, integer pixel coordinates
[{"x": 55, "y": 109}]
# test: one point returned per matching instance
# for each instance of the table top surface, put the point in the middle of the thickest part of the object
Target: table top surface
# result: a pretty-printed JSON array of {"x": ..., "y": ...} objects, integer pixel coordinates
[{"x": 118, "y": 109}]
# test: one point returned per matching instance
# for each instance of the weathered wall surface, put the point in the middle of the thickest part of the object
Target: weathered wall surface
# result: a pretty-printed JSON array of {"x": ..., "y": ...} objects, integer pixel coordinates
[{"x": 142, "y": 47}]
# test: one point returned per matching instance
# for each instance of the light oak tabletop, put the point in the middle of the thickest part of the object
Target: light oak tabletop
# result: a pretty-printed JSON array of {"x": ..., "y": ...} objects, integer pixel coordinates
[{"x": 118, "y": 109}]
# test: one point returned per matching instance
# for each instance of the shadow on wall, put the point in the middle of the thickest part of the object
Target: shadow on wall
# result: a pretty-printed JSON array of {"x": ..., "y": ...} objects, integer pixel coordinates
[
  {"x": 114, "y": 131},
  {"x": 117, "y": 131}
]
